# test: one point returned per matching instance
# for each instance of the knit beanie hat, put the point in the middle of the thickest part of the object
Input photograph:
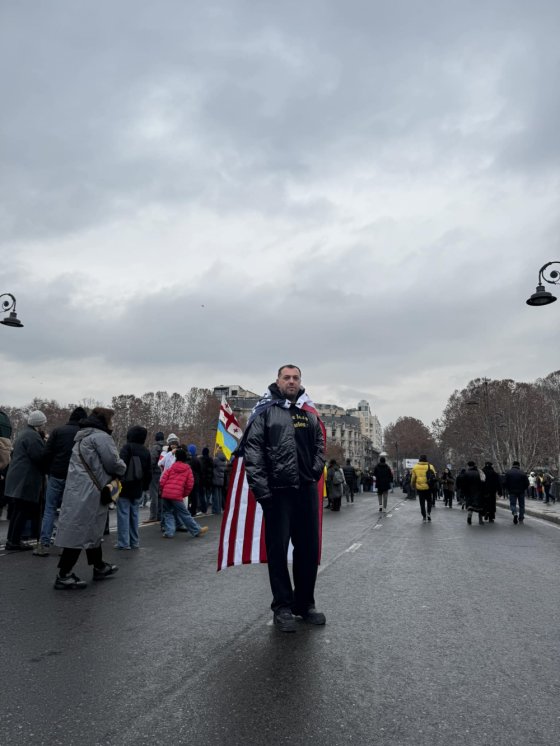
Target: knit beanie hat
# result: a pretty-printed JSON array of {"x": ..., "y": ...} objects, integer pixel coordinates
[
  {"x": 172, "y": 438},
  {"x": 36, "y": 418},
  {"x": 192, "y": 449},
  {"x": 160, "y": 436},
  {"x": 205, "y": 451}
]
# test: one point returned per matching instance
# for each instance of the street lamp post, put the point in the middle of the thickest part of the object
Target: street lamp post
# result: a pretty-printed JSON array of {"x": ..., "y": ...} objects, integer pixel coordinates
[
  {"x": 9, "y": 305},
  {"x": 542, "y": 297}
]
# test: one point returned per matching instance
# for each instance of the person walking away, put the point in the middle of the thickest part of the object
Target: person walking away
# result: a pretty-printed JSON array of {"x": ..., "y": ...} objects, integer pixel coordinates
[
  {"x": 516, "y": 484},
  {"x": 155, "y": 452},
  {"x": 195, "y": 500},
  {"x": 492, "y": 486},
  {"x": 547, "y": 484},
  {"x": 218, "y": 478},
  {"x": 283, "y": 451},
  {"x": 24, "y": 479},
  {"x": 350, "y": 477},
  {"x": 207, "y": 476},
  {"x": 335, "y": 485},
  {"x": 94, "y": 463},
  {"x": 471, "y": 485},
  {"x": 421, "y": 479},
  {"x": 448, "y": 486},
  {"x": 56, "y": 460},
  {"x": 176, "y": 484},
  {"x": 136, "y": 479},
  {"x": 533, "y": 486},
  {"x": 383, "y": 480},
  {"x": 5, "y": 455}
]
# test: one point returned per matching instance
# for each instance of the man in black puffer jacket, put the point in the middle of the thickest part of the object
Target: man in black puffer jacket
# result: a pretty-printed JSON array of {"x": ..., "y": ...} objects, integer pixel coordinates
[
  {"x": 284, "y": 457},
  {"x": 56, "y": 459},
  {"x": 135, "y": 481}
]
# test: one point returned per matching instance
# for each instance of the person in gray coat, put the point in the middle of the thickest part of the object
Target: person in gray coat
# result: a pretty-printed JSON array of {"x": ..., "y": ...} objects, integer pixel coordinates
[
  {"x": 94, "y": 462},
  {"x": 218, "y": 478},
  {"x": 25, "y": 479}
]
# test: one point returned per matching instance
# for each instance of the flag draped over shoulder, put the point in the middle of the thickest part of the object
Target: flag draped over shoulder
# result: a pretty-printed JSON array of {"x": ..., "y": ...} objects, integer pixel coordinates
[
  {"x": 242, "y": 534},
  {"x": 228, "y": 432}
]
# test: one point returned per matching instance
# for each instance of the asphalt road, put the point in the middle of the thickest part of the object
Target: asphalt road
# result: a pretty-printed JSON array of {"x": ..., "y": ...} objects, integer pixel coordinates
[{"x": 437, "y": 633}]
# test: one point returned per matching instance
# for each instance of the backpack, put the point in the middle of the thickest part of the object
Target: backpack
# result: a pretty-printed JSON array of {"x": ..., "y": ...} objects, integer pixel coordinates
[
  {"x": 134, "y": 471},
  {"x": 431, "y": 478},
  {"x": 338, "y": 477}
]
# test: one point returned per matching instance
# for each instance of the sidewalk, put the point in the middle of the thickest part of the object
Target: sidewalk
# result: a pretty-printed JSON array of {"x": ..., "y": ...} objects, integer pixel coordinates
[{"x": 536, "y": 509}]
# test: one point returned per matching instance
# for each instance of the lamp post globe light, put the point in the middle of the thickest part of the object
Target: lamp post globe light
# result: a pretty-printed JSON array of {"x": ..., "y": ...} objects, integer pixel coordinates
[
  {"x": 9, "y": 304},
  {"x": 542, "y": 297}
]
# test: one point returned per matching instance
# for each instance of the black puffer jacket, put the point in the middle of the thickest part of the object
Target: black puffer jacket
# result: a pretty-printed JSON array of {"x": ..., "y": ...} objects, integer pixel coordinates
[
  {"x": 383, "y": 477},
  {"x": 270, "y": 452},
  {"x": 135, "y": 439},
  {"x": 59, "y": 445}
]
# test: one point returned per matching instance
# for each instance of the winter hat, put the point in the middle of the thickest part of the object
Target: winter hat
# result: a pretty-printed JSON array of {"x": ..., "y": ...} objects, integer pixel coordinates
[
  {"x": 36, "y": 418},
  {"x": 160, "y": 436},
  {"x": 172, "y": 438},
  {"x": 192, "y": 449},
  {"x": 205, "y": 451},
  {"x": 382, "y": 460}
]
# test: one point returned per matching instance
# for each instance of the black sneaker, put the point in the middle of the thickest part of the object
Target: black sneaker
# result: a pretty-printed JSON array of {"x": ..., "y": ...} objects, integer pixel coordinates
[
  {"x": 100, "y": 573},
  {"x": 69, "y": 582},
  {"x": 469, "y": 519},
  {"x": 429, "y": 517},
  {"x": 21, "y": 547},
  {"x": 284, "y": 620},
  {"x": 312, "y": 616},
  {"x": 515, "y": 519}
]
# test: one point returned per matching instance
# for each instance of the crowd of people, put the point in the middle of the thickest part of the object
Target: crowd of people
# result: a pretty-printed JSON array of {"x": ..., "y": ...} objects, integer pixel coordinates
[{"x": 59, "y": 488}]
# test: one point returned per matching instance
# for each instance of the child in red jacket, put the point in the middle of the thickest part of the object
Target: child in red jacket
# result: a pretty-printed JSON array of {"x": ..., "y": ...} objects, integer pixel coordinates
[{"x": 176, "y": 484}]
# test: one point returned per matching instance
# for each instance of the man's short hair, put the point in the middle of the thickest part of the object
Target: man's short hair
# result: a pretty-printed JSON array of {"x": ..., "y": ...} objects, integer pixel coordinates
[
  {"x": 422, "y": 458},
  {"x": 288, "y": 365},
  {"x": 515, "y": 463}
]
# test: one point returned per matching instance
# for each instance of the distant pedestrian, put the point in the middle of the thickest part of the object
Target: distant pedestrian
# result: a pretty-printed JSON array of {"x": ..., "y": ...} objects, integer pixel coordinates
[
  {"x": 491, "y": 487},
  {"x": 383, "y": 481},
  {"x": 351, "y": 479},
  {"x": 196, "y": 467},
  {"x": 155, "y": 452},
  {"x": 421, "y": 480},
  {"x": 471, "y": 485},
  {"x": 135, "y": 480},
  {"x": 335, "y": 485},
  {"x": 218, "y": 480},
  {"x": 207, "y": 468},
  {"x": 24, "y": 480},
  {"x": 448, "y": 485},
  {"x": 94, "y": 463},
  {"x": 56, "y": 460},
  {"x": 176, "y": 484},
  {"x": 516, "y": 483}
]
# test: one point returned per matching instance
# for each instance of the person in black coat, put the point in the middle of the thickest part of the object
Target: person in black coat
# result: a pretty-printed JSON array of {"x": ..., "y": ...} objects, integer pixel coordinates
[
  {"x": 136, "y": 479},
  {"x": 56, "y": 460},
  {"x": 491, "y": 487},
  {"x": 383, "y": 481},
  {"x": 470, "y": 483},
  {"x": 207, "y": 477},
  {"x": 516, "y": 483}
]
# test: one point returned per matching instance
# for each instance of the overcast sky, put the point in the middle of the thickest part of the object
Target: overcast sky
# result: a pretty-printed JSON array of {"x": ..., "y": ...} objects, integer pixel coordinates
[{"x": 193, "y": 193}]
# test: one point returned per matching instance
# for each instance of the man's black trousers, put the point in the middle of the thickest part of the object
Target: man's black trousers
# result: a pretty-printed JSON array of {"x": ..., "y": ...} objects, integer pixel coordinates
[{"x": 292, "y": 514}]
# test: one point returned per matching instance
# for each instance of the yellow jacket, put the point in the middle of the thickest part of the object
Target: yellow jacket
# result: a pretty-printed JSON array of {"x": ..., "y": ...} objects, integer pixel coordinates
[{"x": 418, "y": 479}]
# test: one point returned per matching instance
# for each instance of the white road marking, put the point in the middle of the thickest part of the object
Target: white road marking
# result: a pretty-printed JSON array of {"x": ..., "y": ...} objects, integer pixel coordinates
[{"x": 354, "y": 547}]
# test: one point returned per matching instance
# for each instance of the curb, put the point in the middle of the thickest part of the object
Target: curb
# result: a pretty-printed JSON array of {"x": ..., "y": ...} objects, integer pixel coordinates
[{"x": 551, "y": 517}]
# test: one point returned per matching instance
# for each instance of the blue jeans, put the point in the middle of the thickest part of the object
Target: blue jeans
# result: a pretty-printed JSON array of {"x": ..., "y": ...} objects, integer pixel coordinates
[
  {"x": 53, "y": 500},
  {"x": 177, "y": 510},
  {"x": 216, "y": 499},
  {"x": 127, "y": 523},
  {"x": 513, "y": 499}
]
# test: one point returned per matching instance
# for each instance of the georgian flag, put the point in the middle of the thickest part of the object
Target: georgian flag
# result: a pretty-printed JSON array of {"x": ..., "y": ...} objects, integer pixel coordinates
[{"x": 242, "y": 533}]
